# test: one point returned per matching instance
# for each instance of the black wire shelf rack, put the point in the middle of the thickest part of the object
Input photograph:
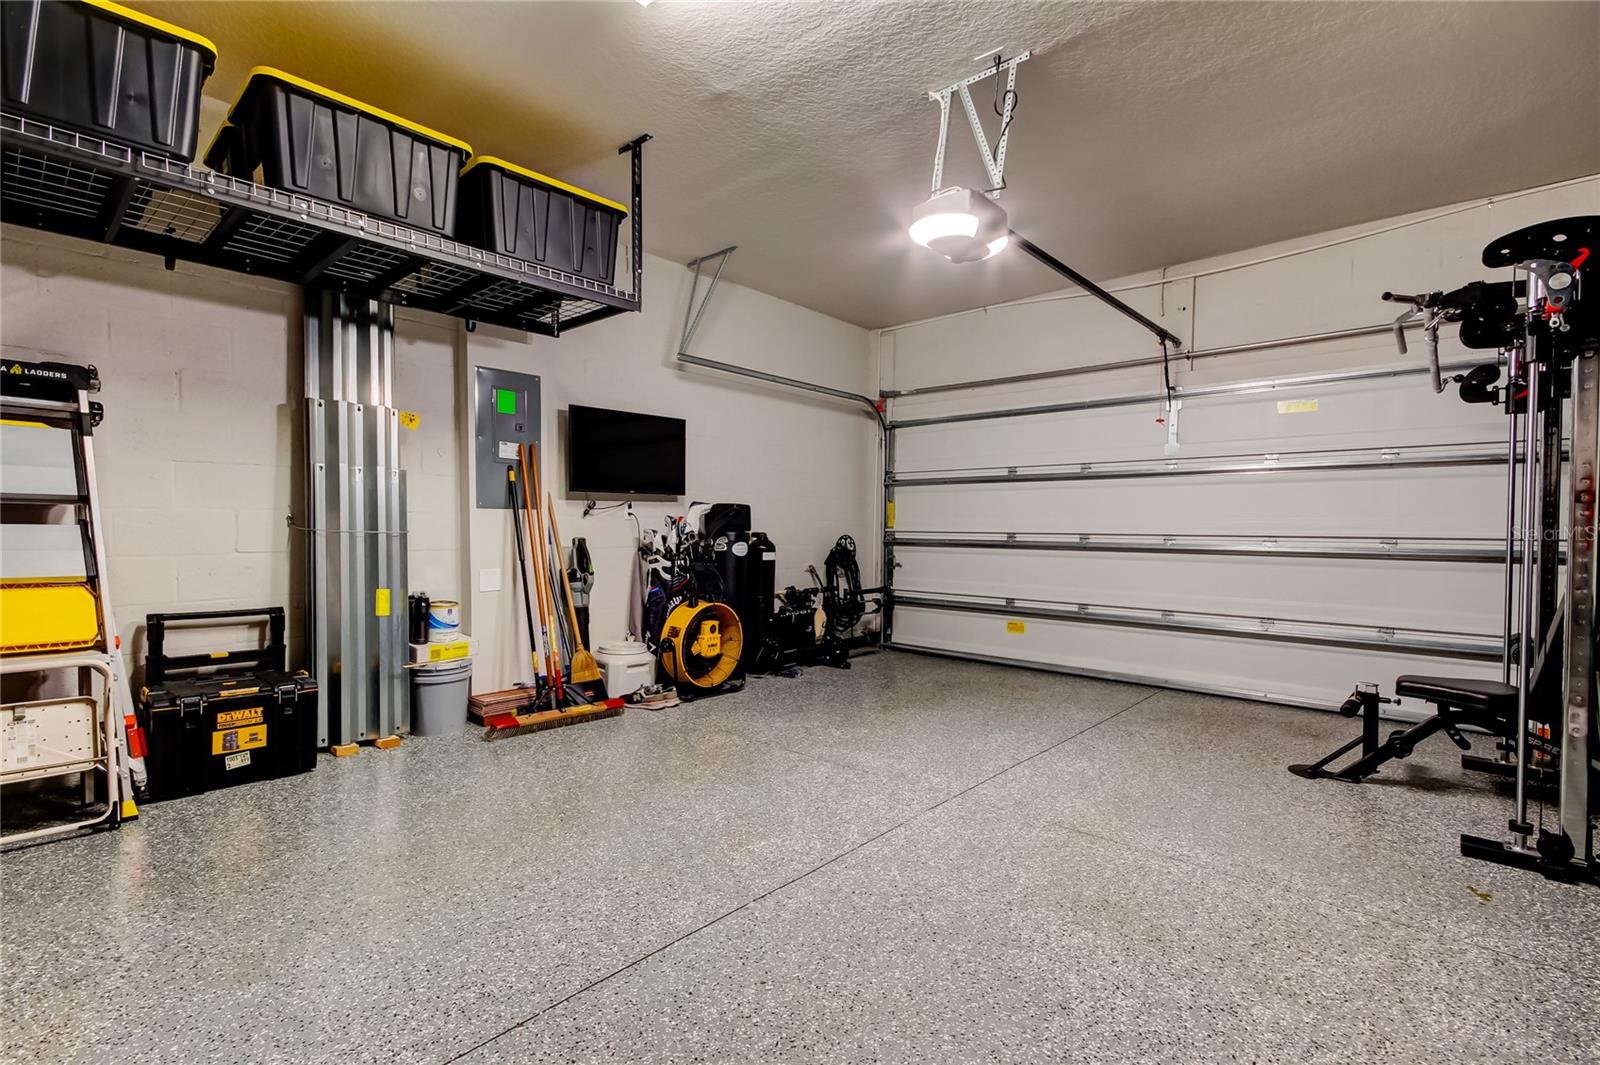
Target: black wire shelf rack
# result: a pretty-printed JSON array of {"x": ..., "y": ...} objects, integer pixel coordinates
[{"x": 66, "y": 182}]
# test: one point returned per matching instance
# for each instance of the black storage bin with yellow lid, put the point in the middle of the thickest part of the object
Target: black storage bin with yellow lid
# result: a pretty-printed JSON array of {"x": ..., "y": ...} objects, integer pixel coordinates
[
  {"x": 307, "y": 139},
  {"x": 509, "y": 209},
  {"x": 100, "y": 68},
  {"x": 216, "y": 719}
]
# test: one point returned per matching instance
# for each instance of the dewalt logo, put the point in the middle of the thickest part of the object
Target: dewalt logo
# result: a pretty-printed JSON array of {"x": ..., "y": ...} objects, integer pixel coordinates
[{"x": 235, "y": 718}]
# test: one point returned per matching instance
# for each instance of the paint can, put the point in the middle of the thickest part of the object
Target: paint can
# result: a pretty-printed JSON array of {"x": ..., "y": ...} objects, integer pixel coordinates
[{"x": 444, "y": 620}]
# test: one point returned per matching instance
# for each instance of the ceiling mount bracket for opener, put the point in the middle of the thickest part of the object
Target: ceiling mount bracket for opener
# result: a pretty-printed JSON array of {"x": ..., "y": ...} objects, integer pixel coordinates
[
  {"x": 993, "y": 161},
  {"x": 967, "y": 225}
]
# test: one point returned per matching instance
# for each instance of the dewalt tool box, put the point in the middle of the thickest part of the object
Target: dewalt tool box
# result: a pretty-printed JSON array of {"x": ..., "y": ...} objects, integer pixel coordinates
[{"x": 225, "y": 717}]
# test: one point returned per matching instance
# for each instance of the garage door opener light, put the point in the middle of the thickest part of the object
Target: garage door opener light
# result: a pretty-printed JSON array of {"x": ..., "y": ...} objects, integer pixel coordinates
[{"x": 962, "y": 224}]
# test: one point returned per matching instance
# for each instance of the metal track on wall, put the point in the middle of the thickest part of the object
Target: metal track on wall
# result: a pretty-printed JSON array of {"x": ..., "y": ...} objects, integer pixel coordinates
[
  {"x": 1189, "y": 358},
  {"x": 82, "y": 186},
  {"x": 692, "y": 314},
  {"x": 356, "y": 495},
  {"x": 1179, "y": 393}
]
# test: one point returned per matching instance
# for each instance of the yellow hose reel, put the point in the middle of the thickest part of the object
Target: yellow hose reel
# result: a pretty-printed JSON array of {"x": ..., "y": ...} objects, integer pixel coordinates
[{"x": 701, "y": 644}]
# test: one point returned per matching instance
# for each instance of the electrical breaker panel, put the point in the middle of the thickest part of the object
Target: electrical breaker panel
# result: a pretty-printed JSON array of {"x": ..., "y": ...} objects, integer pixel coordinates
[{"x": 507, "y": 414}]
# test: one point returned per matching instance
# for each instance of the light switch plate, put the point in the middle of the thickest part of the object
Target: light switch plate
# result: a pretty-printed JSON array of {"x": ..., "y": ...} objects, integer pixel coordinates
[{"x": 489, "y": 580}]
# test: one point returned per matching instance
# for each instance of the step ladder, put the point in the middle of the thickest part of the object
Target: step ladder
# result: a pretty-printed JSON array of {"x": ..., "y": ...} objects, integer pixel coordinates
[{"x": 58, "y": 638}]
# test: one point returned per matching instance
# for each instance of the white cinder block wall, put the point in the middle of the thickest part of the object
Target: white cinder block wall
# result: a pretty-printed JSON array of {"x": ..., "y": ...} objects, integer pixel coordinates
[
  {"x": 1235, "y": 300},
  {"x": 194, "y": 454},
  {"x": 201, "y": 374},
  {"x": 199, "y": 451}
]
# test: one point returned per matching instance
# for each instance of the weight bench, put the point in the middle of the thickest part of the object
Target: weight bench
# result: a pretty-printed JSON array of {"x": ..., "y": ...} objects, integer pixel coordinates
[{"x": 1485, "y": 704}]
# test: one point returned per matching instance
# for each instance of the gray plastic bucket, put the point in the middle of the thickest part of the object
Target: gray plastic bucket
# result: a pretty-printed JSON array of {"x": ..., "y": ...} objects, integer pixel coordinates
[{"x": 439, "y": 698}]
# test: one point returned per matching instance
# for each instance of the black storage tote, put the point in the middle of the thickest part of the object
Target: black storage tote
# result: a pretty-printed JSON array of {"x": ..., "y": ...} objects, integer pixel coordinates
[
  {"x": 528, "y": 215},
  {"x": 99, "y": 68},
  {"x": 307, "y": 139},
  {"x": 226, "y": 717}
]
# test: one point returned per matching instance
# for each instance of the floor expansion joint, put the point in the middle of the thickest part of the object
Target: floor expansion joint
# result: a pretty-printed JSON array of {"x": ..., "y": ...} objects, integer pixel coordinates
[{"x": 847, "y": 852}]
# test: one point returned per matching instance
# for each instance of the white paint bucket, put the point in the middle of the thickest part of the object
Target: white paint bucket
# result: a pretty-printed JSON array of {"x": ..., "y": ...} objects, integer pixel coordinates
[{"x": 444, "y": 620}]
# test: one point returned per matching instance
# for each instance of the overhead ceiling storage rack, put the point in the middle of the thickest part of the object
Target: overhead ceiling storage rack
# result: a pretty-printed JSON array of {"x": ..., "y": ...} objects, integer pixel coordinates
[{"x": 66, "y": 182}]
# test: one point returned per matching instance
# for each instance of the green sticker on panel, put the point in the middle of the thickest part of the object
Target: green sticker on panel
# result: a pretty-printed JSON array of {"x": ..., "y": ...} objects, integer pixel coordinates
[{"x": 505, "y": 401}]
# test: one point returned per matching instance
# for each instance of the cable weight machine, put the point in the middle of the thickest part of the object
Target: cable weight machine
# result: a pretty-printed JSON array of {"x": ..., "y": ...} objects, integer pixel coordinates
[{"x": 1543, "y": 710}]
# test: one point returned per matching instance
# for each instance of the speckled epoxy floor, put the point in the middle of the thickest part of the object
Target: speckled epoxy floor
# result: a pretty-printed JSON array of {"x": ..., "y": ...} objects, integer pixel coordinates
[{"x": 915, "y": 861}]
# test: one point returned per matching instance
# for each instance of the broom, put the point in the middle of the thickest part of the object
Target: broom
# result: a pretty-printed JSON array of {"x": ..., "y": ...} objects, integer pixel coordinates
[
  {"x": 530, "y": 487},
  {"x": 510, "y": 722},
  {"x": 522, "y": 571},
  {"x": 585, "y": 670},
  {"x": 547, "y": 597}
]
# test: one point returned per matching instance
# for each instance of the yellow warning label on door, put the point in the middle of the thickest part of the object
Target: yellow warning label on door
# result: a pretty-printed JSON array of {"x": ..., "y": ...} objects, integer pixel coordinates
[
  {"x": 380, "y": 603},
  {"x": 1016, "y": 627},
  {"x": 410, "y": 419},
  {"x": 1297, "y": 406},
  {"x": 888, "y": 514},
  {"x": 230, "y": 740}
]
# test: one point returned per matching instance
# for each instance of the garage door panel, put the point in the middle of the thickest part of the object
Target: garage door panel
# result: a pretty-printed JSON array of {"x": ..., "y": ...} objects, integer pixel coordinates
[
  {"x": 1356, "y": 607},
  {"x": 1301, "y": 674},
  {"x": 1449, "y": 501},
  {"x": 1457, "y": 596},
  {"x": 1375, "y": 413}
]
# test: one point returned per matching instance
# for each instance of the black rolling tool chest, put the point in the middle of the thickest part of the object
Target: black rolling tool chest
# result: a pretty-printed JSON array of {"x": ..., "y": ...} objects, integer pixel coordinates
[{"x": 224, "y": 717}]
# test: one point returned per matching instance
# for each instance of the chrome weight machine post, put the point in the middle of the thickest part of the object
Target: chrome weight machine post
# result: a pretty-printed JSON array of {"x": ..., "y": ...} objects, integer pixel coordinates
[
  {"x": 1513, "y": 422},
  {"x": 1532, "y": 533},
  {"x": 887, "y": 517},
  {"x": 1549, "y": 353}
]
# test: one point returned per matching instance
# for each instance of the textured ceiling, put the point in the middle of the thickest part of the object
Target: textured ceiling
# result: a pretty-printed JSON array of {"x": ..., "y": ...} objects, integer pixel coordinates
[{"x": 1146, "y": 134}]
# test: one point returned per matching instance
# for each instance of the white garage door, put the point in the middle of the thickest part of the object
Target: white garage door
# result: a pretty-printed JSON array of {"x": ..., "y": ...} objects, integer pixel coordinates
[
  {"x": 1297, "y": 541},
  {"x": 1289, "y": 541}
]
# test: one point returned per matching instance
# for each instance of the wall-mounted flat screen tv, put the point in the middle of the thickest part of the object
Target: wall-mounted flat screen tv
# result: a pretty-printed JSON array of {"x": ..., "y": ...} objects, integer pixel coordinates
[{"x": 619, "y": 452}]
